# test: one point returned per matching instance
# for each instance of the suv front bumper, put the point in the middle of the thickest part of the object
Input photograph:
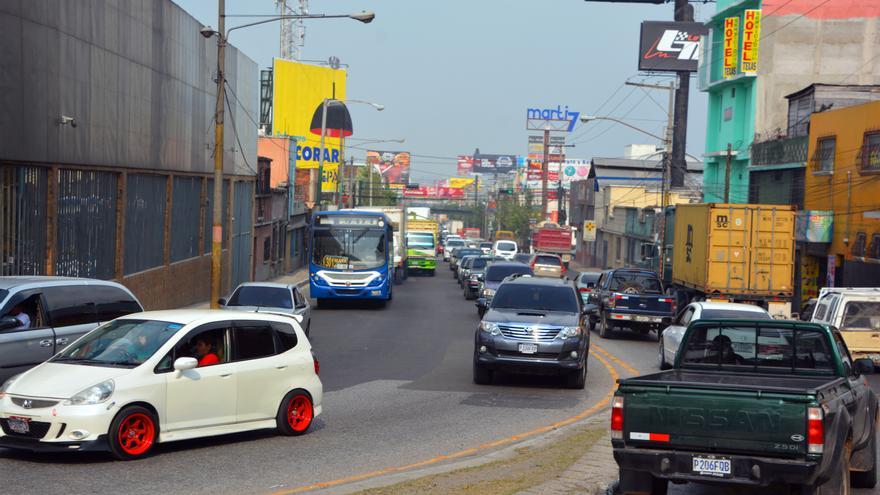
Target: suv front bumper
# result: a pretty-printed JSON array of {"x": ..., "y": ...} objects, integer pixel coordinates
[{"x": 552, "y": 357}]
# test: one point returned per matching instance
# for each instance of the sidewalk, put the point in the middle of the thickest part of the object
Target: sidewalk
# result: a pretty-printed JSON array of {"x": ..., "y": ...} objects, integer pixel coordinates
[{"x": 299, "y": 278}]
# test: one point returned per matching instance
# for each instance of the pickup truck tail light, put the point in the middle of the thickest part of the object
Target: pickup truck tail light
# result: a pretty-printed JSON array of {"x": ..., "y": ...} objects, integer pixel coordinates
[
  {"x": 584, "y": 289},
  {"x": 612, "y": 301},
  {"x": 815, "y": 430},
  {"x": 617, "y": 418}
]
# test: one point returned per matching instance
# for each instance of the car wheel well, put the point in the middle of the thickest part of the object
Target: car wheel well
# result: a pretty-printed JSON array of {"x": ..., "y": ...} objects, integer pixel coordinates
[
  {"x": 145, "y": 405},
  {"x": 293, "y": 390}
]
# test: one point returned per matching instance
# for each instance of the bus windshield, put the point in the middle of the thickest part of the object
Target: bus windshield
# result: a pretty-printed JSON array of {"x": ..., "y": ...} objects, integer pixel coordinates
[
  {"x": 349, "y": 248},
  {"x": 420, "y": 240}
]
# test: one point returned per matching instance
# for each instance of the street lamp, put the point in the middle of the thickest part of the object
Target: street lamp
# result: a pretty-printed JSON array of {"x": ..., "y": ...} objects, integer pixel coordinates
[
  {"x": 207, "y": 32},
  {"x": 588, "y": 118}
]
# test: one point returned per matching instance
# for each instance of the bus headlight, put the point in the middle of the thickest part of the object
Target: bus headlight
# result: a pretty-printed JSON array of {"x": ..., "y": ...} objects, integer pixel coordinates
[{"x": 377, "y": 281}]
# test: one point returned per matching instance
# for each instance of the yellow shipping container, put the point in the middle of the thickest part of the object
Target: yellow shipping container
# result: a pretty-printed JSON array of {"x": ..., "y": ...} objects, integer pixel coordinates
[{"x": 735, "y": 249}]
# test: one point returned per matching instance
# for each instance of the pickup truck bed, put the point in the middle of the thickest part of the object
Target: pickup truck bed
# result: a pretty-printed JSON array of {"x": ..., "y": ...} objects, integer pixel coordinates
[{"x": 758, "y": 382}]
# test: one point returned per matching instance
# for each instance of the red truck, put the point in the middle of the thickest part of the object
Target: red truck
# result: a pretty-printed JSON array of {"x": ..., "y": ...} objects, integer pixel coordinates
[
  {"x": 471, "y": 233},
  {"x": 551, "y": 238}
]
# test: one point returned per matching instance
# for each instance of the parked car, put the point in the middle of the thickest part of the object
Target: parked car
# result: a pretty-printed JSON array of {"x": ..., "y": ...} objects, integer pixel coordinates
[
  {"x": 451, "y": 245},
  {"x": 533, "y": 326},
  {"x": 547, "y": 265},
  {"x": 670, "y": 337},
  {"x": 799, "y": 417},
  {"x": 266, "y": 297},
  {"x": 475, "y": 274},
  {"x": 460, "y": 253},
  {"x": 505, "y": 249},
  {"x": 629, "y": 298},
  {"x": 586, "y": 282},
  {"x": 58, "y": 310},
  {"x": 492, "y": 278},
  {"x": 856, "y": 313},
  {"x": 184, "y": 373},
  {"x": 486, "y": 247},
  {"x": 464, "y": 266}
]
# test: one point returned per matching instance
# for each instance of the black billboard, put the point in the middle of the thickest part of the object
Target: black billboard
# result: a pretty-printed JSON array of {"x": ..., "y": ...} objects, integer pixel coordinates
[
  {"x": 667, "y": 46},
  {"x": 493, "y": 164}
]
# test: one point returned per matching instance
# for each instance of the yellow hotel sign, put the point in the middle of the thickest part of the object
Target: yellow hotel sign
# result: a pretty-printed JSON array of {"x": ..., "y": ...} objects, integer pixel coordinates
[
  {"x": 751, "y": 35},
  {"x": 731, "y": 45}
]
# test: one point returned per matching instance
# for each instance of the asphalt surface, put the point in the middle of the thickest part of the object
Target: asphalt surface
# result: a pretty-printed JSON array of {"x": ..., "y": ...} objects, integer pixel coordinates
[{"x": 398, "y": 390}]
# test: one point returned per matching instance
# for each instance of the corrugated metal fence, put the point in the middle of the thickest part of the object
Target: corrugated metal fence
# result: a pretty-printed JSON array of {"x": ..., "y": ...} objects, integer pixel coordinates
[
  {"x": 86, "y": 223},
  {"x": 23, "y": 199}
]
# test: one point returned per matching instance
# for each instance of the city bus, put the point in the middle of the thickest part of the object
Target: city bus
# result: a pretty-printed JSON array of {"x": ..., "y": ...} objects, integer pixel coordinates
[{"x": 350, "y": 256}]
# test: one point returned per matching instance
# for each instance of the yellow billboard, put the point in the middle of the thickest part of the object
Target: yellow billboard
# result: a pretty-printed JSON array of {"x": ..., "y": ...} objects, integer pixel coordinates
[
  {"x": 460, "y": 182},
  {"x": 750, "y": 37},
  {"x": 297, "y": 90},
  {"x": 731, "y": 46}
]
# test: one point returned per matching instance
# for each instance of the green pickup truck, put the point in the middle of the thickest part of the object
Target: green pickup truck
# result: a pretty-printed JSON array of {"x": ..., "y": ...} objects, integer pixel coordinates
[{"x": 760, "y": 403}]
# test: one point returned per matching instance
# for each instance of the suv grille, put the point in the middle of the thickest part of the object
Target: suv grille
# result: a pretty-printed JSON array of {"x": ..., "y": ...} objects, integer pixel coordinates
[
  {"x": 38, "y": 429},
  {"x": 33, "y": 403},
  {"x": 529, "y": 333}
]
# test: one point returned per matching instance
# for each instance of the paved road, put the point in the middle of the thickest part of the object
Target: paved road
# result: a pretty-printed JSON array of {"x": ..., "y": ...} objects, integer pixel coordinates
[{"x": 398, "y": 390}]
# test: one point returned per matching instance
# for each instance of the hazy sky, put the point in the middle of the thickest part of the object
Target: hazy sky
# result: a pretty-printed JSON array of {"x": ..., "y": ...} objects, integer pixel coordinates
[{"x": 457, "y": 75}]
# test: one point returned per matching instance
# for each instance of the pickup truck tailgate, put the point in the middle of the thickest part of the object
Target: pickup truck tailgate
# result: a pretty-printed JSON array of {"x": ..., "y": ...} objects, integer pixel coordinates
[
  {"x": 696, "y": 411},
  {"x": 643, "y": 303}
]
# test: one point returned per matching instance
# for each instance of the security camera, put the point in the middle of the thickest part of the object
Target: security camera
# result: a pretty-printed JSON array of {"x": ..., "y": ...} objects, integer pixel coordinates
[
  {"x": 65, "y": 120},
  {"x": 207, "y": 31}
]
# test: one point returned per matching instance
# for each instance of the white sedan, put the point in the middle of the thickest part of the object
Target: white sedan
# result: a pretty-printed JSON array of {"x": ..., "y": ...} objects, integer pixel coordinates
[
  {"x": 163, "y": 376},
  {"x": 670, "y": 337}
]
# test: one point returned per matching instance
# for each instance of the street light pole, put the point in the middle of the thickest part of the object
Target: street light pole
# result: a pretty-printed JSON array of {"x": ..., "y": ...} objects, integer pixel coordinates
[
  {"x": 217, "y": 224},
  {"x": 319, "y": 183}
]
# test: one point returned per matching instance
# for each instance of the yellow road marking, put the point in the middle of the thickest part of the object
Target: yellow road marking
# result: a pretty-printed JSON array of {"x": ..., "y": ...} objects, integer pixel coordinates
[
  {"x": 620, "y": 363},
  {"x": 601, "y": 404}
]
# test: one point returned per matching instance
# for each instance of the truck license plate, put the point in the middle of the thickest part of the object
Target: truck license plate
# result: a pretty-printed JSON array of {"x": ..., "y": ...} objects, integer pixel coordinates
[
  {"x": 19, "y": 425},
  {"x": 528, "y": 348},
  {"x": 710, "y": 466}
]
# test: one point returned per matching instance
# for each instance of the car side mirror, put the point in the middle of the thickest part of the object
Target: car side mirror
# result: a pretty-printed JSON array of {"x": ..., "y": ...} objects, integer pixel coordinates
[
  {"x": 185, "y": 363},
  {"x": 864, "y": 366},
  {"x": 8, "y": 322},
  {"x": 221, "y": 301}
]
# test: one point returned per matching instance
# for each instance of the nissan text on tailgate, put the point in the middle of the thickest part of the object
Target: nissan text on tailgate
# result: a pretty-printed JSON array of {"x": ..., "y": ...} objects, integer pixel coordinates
[{"x": 748, "y": 402}]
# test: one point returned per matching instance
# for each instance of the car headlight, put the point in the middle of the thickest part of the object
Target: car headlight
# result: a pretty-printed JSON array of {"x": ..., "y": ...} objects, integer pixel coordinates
[
  {"x": 377, "y": 281},
  {"x": 488, "y": 292},
  {"x": 490, "y": 328},
  {"x": 95, "y": 394},
  {"x": 8, "y": 383},
  {"x": 569, "y": 332}
]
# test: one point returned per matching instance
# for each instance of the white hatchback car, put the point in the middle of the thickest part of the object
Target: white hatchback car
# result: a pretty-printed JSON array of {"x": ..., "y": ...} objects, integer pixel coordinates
[
  {"x": 505, "y": 249},
  {"x": 162, "y": 376}
]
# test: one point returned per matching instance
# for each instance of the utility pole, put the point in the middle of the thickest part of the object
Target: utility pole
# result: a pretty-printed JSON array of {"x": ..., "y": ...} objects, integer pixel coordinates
[
  {"x": 351, "y": 182},
  {"x": 370, "y": 189},
  {"x": 220, "y": 106},
  {"x": 683, "y": 12},
  {"x": 545, "y": 168},
  {"x": 667, "y": 171},
  {"x": 727, "y": 174}
]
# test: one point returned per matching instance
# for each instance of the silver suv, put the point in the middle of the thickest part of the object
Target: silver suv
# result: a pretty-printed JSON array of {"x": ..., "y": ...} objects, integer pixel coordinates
[{"x": 57, "y": 311}]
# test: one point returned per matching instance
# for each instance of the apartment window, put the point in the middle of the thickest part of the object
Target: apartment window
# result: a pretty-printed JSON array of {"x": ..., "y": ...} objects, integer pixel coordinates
[
  {"x": 858, "y": 248},
  {"x": 870, "y": 154},
  {"x": 267, "y": 249},
  {"x": 874, "y": 248},
  {"x": 823, "y": 159}
]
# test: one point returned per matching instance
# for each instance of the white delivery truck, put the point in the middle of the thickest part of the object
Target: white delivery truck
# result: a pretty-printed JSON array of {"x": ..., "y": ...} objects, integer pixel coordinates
[{"x": 397, "y": 215}]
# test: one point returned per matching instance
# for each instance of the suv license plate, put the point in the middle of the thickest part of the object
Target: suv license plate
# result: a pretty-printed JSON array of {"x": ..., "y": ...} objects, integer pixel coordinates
[
  {"x": 19, "y": 425},
  {"x": 528, "y": 348},
  {"x": 711, "y": 466}
]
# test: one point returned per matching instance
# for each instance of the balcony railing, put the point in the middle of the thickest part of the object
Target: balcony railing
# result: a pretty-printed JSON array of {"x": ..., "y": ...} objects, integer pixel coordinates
[{"x": 780, "y": 151}]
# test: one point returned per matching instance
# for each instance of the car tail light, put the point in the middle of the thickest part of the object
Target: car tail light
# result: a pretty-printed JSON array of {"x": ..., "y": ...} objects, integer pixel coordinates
[
  {"x": 815, "y": 430},
  {"x": 617, "y": 418},
  {"x": 584, "y": 289},
  {"x": 317, "y": 365}
]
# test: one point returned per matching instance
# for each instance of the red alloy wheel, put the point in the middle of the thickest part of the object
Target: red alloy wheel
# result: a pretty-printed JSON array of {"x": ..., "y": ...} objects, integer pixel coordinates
[
  {"x": 136, "y": 434},
  {"x": 299, "y": 413}
]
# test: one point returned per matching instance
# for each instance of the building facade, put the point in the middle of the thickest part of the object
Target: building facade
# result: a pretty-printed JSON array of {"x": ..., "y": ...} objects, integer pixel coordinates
[
  {"x": 800, "y": 42},
  {"x": 106, "y": 148},
  {"x": 841, "y": 223}
]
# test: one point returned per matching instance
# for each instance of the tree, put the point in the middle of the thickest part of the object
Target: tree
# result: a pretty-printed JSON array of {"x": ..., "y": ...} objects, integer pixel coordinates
[
  {"x": 514, "y": 213},
  {"x": 382, "y": 195}
]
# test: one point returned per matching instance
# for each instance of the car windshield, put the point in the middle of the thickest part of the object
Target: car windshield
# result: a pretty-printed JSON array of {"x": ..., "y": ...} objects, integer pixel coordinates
[
  {"x": 468, "y": 252},
  {"x": 454, "y": 244},
  {"x": 479, "y": 263},
  {"x": 522, "y": 258},
  {"x": 535, "y": 297},
  {"x": 636, "y": 282},
  {"x": 348, "y": 248},
  {"x": 499, "y": 273},
  {"x": 252, "y": 295},
  {"x": 420, "y": 240},
  {"x": 124, "y": 342},
  {"x": 506, "y": 246},
  {"x": 861, "y": 315},
  {"x": 487, "y": 245},
  {"x": 589, "y": 278},
  {"x": 547, "y": 260},
  {"x": 734, "y": 314},
  {"x": 750, "y": 347}
]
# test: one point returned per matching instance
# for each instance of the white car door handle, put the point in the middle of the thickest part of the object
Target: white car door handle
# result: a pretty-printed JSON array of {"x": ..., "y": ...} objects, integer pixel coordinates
[
  {"x": 281, "y": 367},
  {"x": 46, "y": 343},
  {"x": 61, "y": 341},
  {"x": 225, "y": 375}
]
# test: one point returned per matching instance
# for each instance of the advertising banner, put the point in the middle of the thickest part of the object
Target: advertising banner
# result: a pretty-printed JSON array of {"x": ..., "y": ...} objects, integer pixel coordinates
[
  {"x": 557, "y": 148},
  {"x": 392, "y": 165},
  {"x": 460, "y": 182},
  {"x": 731, "y": 46},
  {"x": 433, "y": 192},
  {"x": 297, "y": 90},
  {"x": 465, "y": 164},
  {"x": 573, "y": 169},
  {"x": 670, "y": 46},
  {"x": 494, "y": 164},
  {"x": 750, "y": 37}
]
